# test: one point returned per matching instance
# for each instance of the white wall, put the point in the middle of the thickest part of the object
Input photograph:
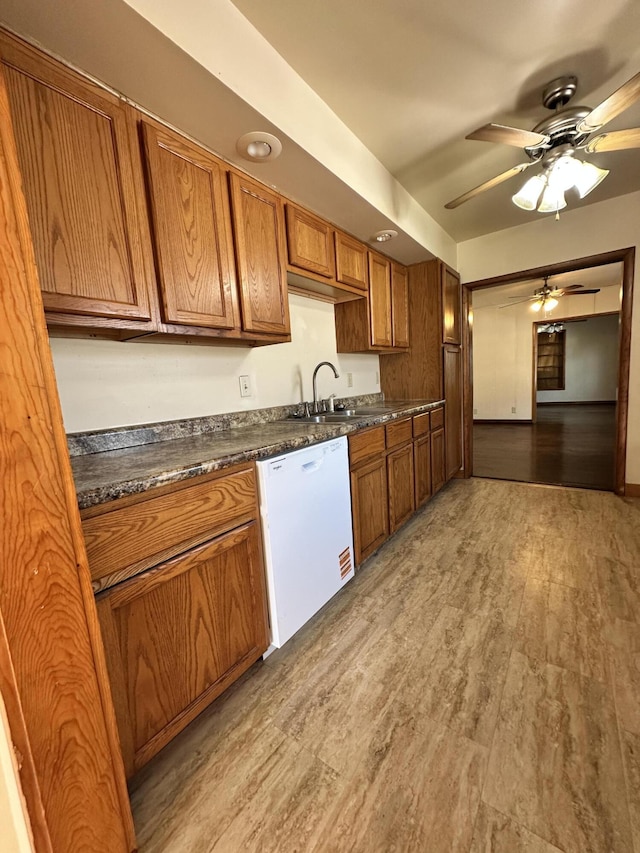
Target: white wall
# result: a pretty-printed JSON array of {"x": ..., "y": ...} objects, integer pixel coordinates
[
  {"x": 591, "y": 362},
  {"x": 104, "y": 384},
  {"x": 589, "y": 230}
]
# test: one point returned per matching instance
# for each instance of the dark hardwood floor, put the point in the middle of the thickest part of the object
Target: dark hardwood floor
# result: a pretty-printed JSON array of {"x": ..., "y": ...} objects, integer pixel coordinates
[{"x": 568, "y": 446}]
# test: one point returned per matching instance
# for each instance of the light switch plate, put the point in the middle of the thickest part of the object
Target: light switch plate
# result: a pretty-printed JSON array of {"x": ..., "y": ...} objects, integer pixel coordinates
[
  {"x": 349, "y": 380},
  {"x": 245, "y": 386}
]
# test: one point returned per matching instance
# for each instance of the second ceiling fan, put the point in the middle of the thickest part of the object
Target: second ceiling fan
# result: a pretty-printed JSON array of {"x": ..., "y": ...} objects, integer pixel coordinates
[{"x": 547, "y": 296}]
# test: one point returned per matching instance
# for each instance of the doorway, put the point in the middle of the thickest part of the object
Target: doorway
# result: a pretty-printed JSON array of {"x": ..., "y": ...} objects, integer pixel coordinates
[{"x": 572, "y": 429}]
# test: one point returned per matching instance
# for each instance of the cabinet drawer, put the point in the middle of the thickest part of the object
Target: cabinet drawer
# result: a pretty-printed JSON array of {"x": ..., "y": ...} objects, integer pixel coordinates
[
  {"x": 142, "y": 534},
  {"x": 399, "y": 432},
  {"x": 363, "y": 445},
  {"x": 437, "y": 418},
  {"x": 421, "y": 424}
]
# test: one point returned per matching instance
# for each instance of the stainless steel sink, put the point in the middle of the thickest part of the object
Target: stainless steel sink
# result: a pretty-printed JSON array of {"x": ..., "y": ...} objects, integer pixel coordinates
[{"x": 342, "y": 416}]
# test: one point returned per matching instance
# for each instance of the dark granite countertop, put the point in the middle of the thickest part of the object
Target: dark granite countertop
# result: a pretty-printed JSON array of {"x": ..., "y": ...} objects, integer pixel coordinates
[{"x": 112, "y": 474}]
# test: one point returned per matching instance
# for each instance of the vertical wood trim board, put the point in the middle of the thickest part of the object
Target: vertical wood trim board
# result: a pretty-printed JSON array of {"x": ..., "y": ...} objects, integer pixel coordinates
[{"x": 61, "y": 708}]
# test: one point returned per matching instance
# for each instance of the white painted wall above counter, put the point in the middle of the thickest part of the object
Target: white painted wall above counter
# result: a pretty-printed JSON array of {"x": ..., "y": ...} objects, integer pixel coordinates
[{"x": 103, "y": 384}]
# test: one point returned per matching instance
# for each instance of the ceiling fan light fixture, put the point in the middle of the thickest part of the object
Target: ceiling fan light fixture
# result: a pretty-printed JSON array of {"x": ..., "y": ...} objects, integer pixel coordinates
[
  {"x": 553, "y": 200},
  {"x": 588, "y": 178},
  {"x": 564, "y": 172},
  {"x": 550, "y": 303},
  {"x": 529, "y": 195},
  {"x": 536, "y": 306}
]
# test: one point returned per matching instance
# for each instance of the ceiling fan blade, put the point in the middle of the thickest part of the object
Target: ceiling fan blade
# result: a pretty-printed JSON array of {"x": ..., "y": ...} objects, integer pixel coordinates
[
  {"x": 511, "y": 304},
  {"x": 612, "y": 106},
  {"x": 508, "y": 136},
  {"x": 581, "y": 292},
  {"x": 510, "y": 173},
  {"x": 523, "y": 298},
  {"x": 572, "y": 287},
  {"x": 614, "y": 141}
]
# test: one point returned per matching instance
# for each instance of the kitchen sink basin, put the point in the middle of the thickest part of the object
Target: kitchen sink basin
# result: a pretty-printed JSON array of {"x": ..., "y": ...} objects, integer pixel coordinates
[{"x": 342, "y": 416}]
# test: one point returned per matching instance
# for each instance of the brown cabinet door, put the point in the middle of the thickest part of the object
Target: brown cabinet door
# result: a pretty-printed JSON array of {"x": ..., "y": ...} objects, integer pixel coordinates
[
  {"x": 192, "y": 230},
  {"x": 453, "y": 408},
  {"x": 82, "y": 180},
  {"x": 258, "y": 222},
  {"x": 310, "y": 242},
  {"x": 401, "y": 491},
  {"x": 422, "y": 468},
  {"x": 400, "y": 305},
  {"x": 351, "y": 261},
  {"x": 451, "y": 306},
  {"x": 369, "y": 507},
  {"x": 176, "y": 636},
  {"x": 380, "y": 300},
  {"x": 437, "y": 461}
]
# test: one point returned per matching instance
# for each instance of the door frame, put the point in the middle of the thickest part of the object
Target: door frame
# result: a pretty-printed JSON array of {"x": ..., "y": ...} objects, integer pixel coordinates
[{"x": 624, "y": 256}]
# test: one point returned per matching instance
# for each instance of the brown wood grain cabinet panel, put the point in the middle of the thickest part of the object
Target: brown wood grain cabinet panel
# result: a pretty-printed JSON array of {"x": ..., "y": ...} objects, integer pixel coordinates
[
  {"x": 310, "y": 242},
  {"x": 352, "y": 266},
  {"x": 398, "y": 432},
  {"x": 422, "y": 468},
  {"x": 192, "y": 230},
  {"x": 438, "y": 473},
  {"x": 451, "y": 306},
  {"x": 258, "y": 220},
  {"x": 369, "y": 507},
  {"x": 421, "y": 424},
  {"x": 366, "y": 443},
  {"x": 400, "y": 305},
  {"x": 453, "y": 408},
  {"x": 380, "y": 300},
  {"x": 437, "y": 418},
  {"x": 157, "y": 527},
  {"x": 82, "y": 178},
  {"x": 401, "y": 486},
  {"x": 179, "y": 633}
]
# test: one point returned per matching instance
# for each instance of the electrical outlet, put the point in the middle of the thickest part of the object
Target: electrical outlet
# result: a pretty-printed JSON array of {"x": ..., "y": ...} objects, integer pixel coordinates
[
  {"x": 349, "y": 380},
  {"x": 245, "y": 386},
  {"x": 475, "y": 411},
  {"x": 513, "y": 410}
]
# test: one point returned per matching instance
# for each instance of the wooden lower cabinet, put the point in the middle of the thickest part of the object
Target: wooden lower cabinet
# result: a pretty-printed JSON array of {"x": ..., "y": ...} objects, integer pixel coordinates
[
  {"x": 369, "y": 507},
  {"x": 176, "y": 636},
  {"x": 438, "y": 474},
  {"x": 422, "y": 469},
  {"x": 401, "y": 488}
]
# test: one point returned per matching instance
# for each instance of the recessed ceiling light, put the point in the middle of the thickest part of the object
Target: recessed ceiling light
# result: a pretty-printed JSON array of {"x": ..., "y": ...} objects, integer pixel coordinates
[
  {"x": 259, "y": 146},
  {"x": 383, "y": 236}
]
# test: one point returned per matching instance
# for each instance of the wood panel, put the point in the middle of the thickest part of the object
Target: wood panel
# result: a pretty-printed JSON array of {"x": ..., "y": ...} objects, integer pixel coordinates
[
  {"x": 182, "y": 631},
  {"x": 398, "y": 432},
  {"x": 453, "y": 409},
  {"x": 550, "y": 361},
  {"x": 82, "y": 179},
  {"x": 438, "y": 472},
  {"x": 422, "y": 468},
  {"x": 369, "y": 507},
  {"x": 380, "y": 300},
  {"x": 160, "y": 526},
  {"x": 59, "y": 708},
  {"x": 437, "y": 417},
  {"x": 451, "y": 306},
  {"x": 366, "y": 443},
  {"x": 400, "y": 305},
  {"x": 417, "y": 374},
  {"x": 401, "y": 486},
  {"x": 192, "y": 229},
  {"x": 258, "y": 221},
  {"x": 352, "y": 266},
  {"x": 421, "y": 424},
  {"x": 310, "y": 242}
]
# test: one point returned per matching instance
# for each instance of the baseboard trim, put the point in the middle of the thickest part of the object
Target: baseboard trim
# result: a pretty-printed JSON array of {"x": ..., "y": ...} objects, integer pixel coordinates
[
  {"x": 580, "y": 403},
  {"x": 632, "y": 490},
  {"x": 504, "y": 421}
]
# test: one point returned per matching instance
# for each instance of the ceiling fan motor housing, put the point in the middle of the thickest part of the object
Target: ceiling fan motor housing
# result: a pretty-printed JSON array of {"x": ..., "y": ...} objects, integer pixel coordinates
[{"x": 561, "y": 127}]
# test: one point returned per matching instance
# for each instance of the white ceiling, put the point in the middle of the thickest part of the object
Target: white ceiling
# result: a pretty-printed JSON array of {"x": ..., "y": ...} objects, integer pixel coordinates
[{"x": 412, "y": 78}]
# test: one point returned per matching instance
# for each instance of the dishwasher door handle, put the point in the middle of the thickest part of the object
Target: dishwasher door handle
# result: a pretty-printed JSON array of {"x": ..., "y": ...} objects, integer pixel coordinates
[{"x": 310, "y": 467}]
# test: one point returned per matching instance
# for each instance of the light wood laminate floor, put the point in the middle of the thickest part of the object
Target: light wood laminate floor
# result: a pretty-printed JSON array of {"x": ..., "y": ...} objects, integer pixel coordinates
[{"x": 476, "y": 688}]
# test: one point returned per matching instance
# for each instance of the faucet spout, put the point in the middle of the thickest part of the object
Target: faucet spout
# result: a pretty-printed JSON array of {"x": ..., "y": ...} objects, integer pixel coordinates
[{"x": 315, "y": 387}]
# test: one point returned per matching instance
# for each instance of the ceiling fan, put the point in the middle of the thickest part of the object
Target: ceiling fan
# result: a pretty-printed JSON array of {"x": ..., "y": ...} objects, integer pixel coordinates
[
  {"x": 558, "y": 326},
  {"x": 547, "y": 296},
  {"x": 553, "y": 143}
]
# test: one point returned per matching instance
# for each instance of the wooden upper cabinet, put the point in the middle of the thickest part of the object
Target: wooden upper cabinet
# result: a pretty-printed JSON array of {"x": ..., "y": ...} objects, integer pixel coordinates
[
  {"x": 192, "y": 230},
  {"x": 451, "y": 306},
  {"x": 82, "y": 179},
  {"x": 380, "y": 300},
  {"x": 351, "y": 261},
  {"x": 310, "y": 242},
  {"x": 400, "y": 305},
  {"x": 258, "y": 221}
]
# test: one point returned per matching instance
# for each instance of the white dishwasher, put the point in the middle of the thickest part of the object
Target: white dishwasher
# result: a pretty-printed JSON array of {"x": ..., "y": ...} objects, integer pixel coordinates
[{"x": 305, "y": 504}]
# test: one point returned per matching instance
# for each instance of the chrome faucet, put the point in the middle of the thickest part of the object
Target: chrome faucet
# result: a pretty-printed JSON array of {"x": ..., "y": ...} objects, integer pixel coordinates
[{"x": 315, "y": 387}]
